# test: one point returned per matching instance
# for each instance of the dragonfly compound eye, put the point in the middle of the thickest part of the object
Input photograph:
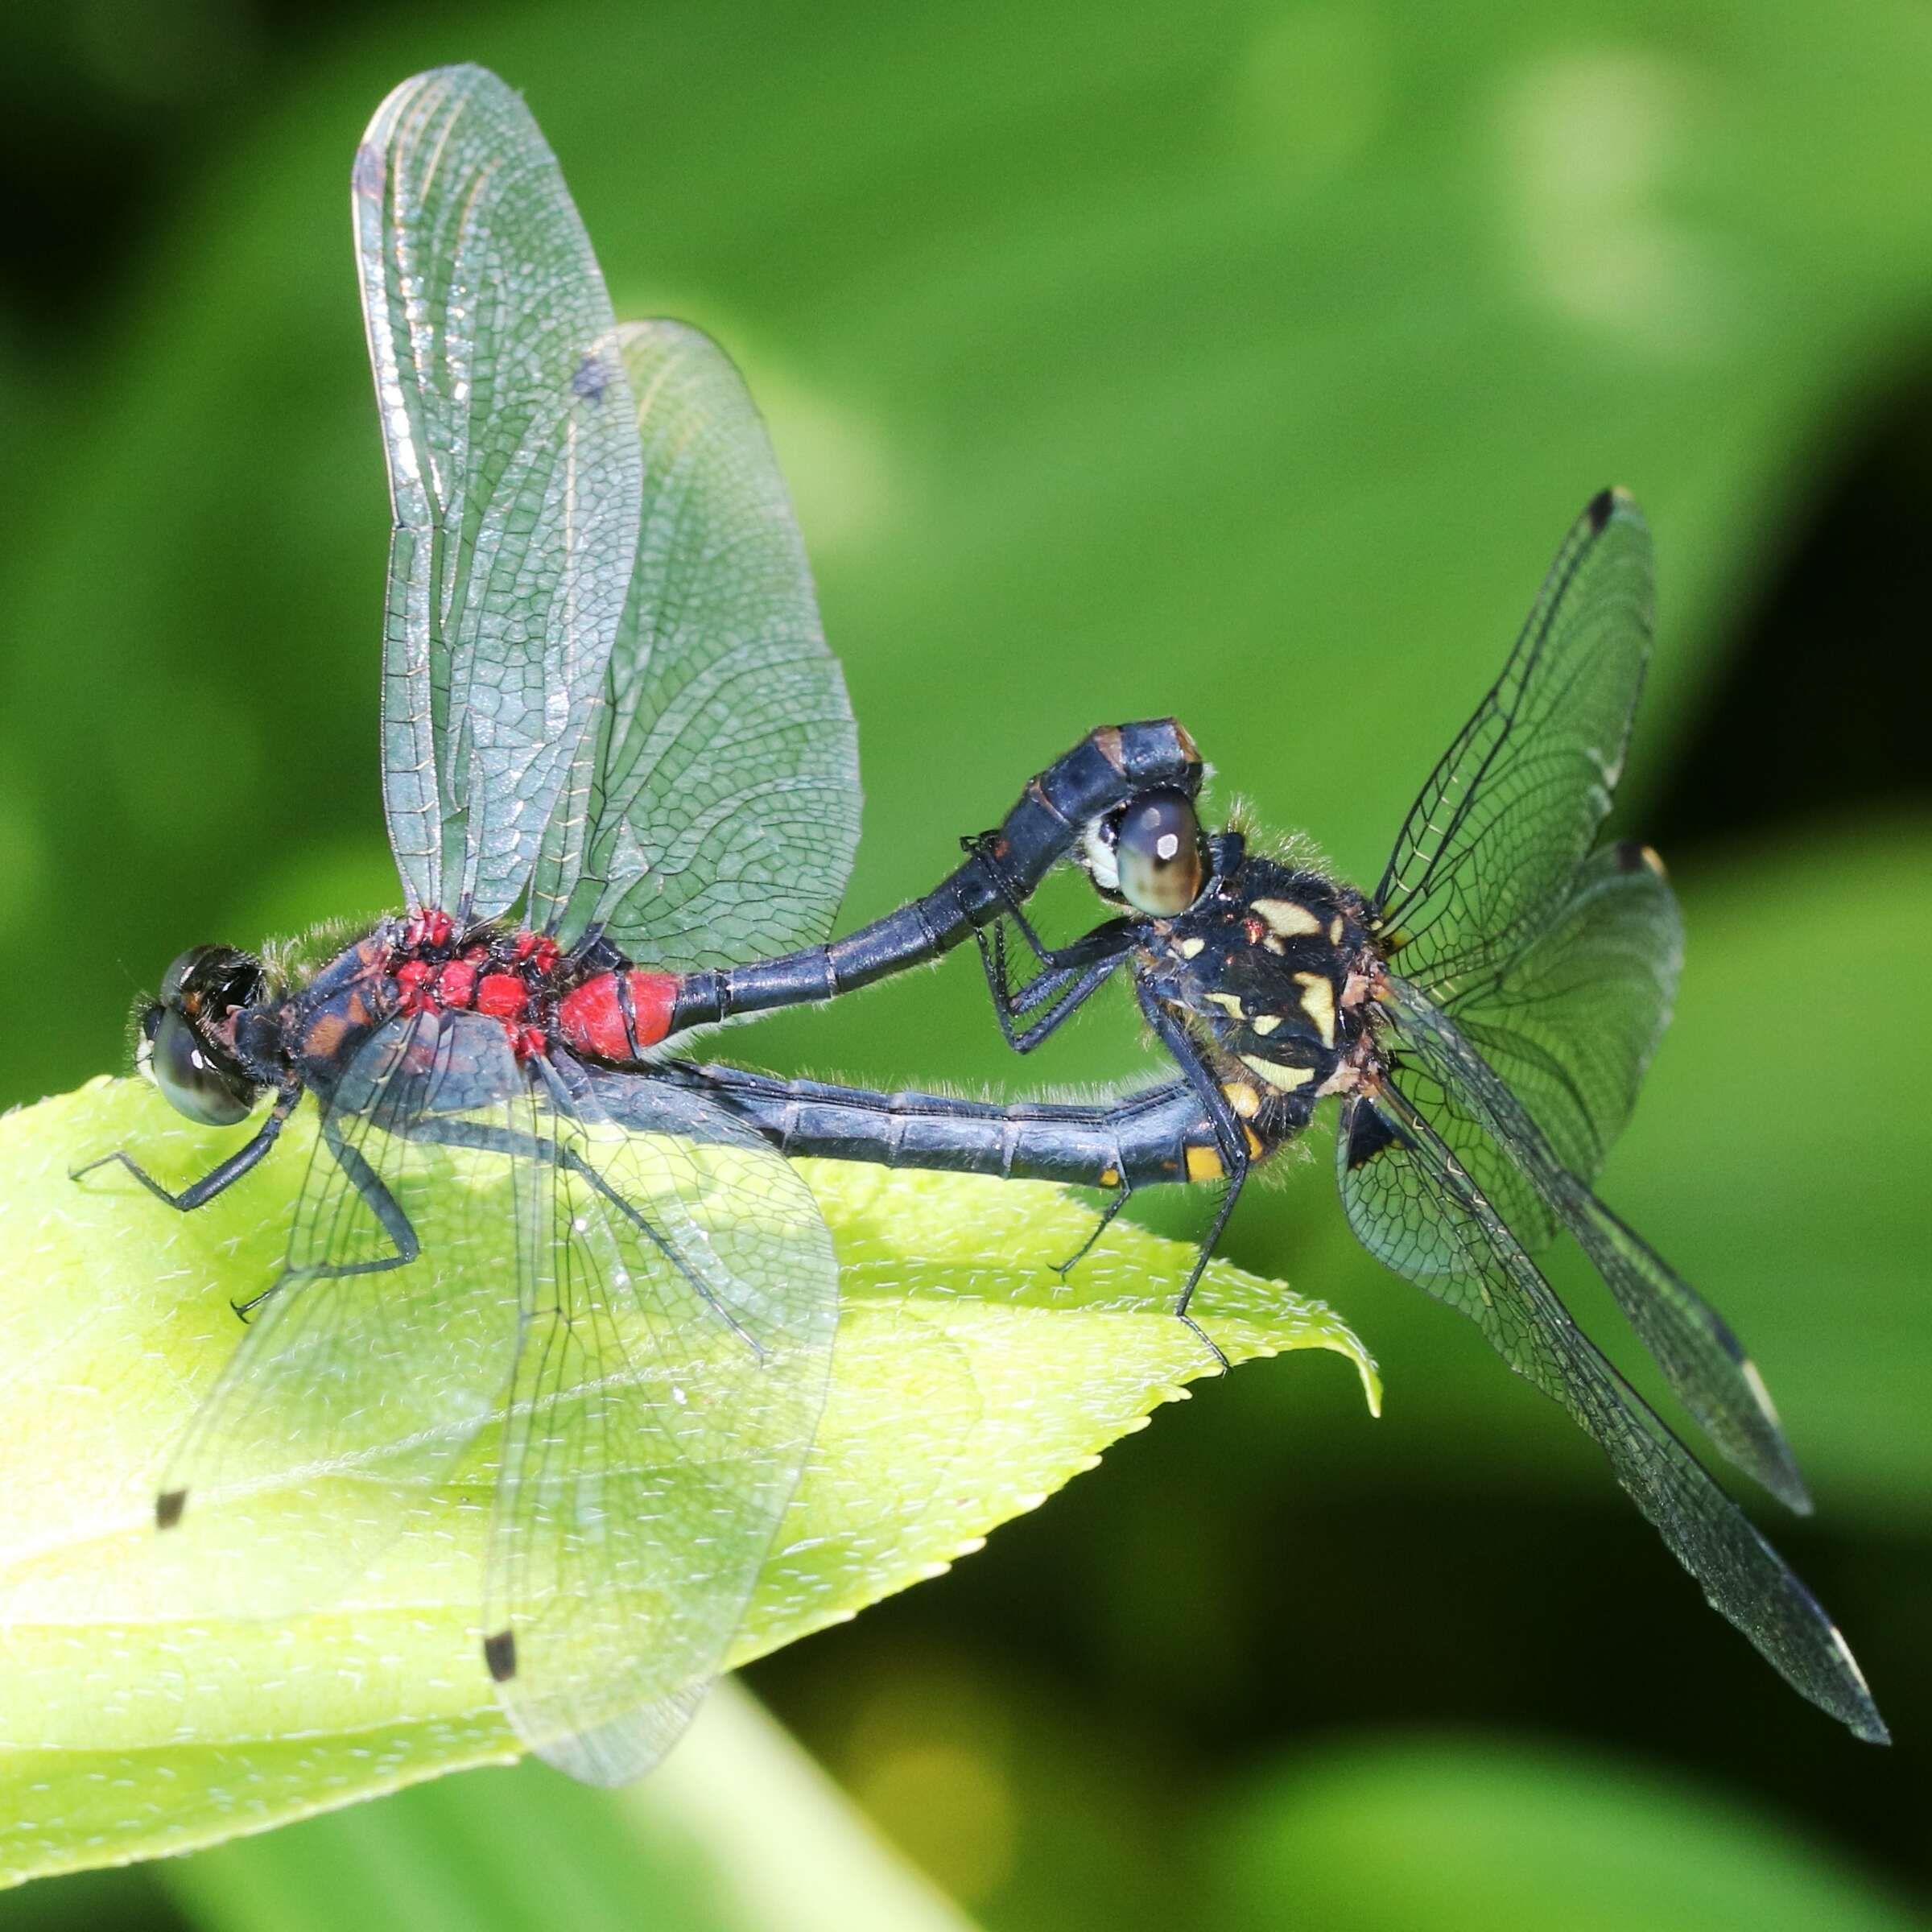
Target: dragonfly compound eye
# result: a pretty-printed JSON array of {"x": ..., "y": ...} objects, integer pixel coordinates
[
  {"x": 178, "y": 1052},
  {"x": 193, "y": 1081},
  {"x": 211, "y": 981},
  {"x": 1156, "y": 853}
]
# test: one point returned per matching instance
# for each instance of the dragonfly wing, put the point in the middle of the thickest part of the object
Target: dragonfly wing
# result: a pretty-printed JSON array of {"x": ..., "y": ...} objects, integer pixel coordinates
[
  {"x": 1491, "y": 846},
  {"x": 1507, "y": 1157},
  {"x": 362, "y": 1379},
  {"x": 680, "y": 1296},
  {"x": 514, "y": 478},
  {"x": 1415, "y": 1207},
  {"x": 713, "y": 815},
  {"x": 1571, "y": 1022}
]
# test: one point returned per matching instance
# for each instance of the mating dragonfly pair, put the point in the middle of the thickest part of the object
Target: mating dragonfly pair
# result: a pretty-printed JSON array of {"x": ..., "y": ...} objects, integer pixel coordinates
[{"x": 618, "y": 766}]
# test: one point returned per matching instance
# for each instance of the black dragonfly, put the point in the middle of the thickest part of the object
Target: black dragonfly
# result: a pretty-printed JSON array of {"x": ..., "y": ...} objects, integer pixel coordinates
[{"x": 1483, "y": 1018}]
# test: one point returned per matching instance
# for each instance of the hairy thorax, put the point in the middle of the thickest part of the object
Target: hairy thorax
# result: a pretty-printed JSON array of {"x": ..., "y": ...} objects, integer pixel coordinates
[{"x": 1267, "y": 967}]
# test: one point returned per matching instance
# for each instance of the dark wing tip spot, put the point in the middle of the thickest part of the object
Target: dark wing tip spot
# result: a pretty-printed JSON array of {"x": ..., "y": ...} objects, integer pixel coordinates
[
  {"x": 1602, "y": 507},
  {"x": 591, "y": 378},
  {"x": 500, "y": 1656},
  {"x": 168, "y": 1506}
]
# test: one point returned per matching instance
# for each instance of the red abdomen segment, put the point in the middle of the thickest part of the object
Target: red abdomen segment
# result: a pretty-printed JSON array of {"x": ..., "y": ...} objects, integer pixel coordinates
[{"x": 613, "y": 1016}]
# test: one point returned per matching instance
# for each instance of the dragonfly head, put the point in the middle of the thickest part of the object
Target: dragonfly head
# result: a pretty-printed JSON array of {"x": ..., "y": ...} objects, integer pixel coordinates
[
  {"x": 1149, "y": 852},
  {"x": 186, "y": 1042}
]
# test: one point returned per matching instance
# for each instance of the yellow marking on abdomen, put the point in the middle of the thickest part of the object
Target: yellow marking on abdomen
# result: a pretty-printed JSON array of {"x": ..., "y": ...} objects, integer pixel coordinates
[
  {"x": 1228, "y": 1004},
  {"x": 1110, "y": 1177},
  {"x": 1265, "y": 1023},
  {"x": 1318, "y": 1002},
  {"x": 1204, "y": 1164},
  {"x": 1287, "y": 1078},
  {"x": 1285, "y": 917}
]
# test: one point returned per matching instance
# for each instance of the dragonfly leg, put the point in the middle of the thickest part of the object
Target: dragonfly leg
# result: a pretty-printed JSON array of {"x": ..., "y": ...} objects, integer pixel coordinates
[
  {"x": 1210, "y": 1241},
  {"x": 983, "y": 846},
  {"x": 1068, "y": 988},
  {"x": 1230, "y": 1141},
  {"x": 1102, "y": 1222},
  {"x": 381, "y": 1203},
  {"x": 519, "y": 1145},
  {"x": 219, "y": 1177},
  {"x": 1053, "y": 959}
]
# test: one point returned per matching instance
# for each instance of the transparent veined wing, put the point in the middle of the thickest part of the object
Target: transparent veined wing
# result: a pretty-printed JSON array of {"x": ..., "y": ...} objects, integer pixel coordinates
[
  {"x": 1414, "y": 1206},
  {"x": 1508, "y": 1158},
  {"x": 680, "y": 1296},
  {"x": 514, "y": 479},
  {"x": 712, "y": 815},
  {"x": 1571, "y": 1020},
  {"x": 1491, "y": 846},
  {"x": 380, "y": 1354}
]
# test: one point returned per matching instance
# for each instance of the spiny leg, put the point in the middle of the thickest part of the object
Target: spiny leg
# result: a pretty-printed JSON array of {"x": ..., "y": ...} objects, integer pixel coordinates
[
  {"x": 980, "y": 846},
  {"x": 1102, "y": 1222},
  {"x": 170, "y": 1503},
  {"x": 1068, "y": 987},
  {"x": 376, "y": 1196},
  {"x": 218, "y": 1178},
  {"x": 1053, "y": 959},
  {"x": 1231, "y": 1141}
]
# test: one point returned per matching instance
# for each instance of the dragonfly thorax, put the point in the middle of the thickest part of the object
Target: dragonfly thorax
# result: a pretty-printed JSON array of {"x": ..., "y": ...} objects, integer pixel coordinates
[
  {"x": 511, "y": 974},
  {"x": 1261, "y": 964}
]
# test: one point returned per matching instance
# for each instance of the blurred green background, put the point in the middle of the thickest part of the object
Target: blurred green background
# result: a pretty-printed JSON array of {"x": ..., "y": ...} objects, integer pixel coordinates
[{"x": 1242, "y": 362}]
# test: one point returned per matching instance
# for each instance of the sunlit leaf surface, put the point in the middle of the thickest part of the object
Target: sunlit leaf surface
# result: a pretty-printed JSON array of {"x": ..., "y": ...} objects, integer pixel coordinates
[{"x": 136, "y": 1717}]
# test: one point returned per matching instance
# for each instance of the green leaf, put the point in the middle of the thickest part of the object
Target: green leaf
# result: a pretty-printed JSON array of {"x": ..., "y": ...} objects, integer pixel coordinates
[
  {"x": 1460, "y": 1836},
  {"x": 967, "y": 1386}
]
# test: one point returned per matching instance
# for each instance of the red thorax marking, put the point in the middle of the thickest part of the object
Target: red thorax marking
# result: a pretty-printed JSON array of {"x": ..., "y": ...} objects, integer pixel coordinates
[
  {"x": 500, "y": 976},
  {"x": 501, "y": 994},
  {"x": 610, "y": 1016},
  {"x": 457, "y": 983}
]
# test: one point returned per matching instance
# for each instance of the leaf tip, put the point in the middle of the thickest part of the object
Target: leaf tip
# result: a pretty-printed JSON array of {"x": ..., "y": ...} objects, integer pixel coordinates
[{"x": 1372, "y": 1385}]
